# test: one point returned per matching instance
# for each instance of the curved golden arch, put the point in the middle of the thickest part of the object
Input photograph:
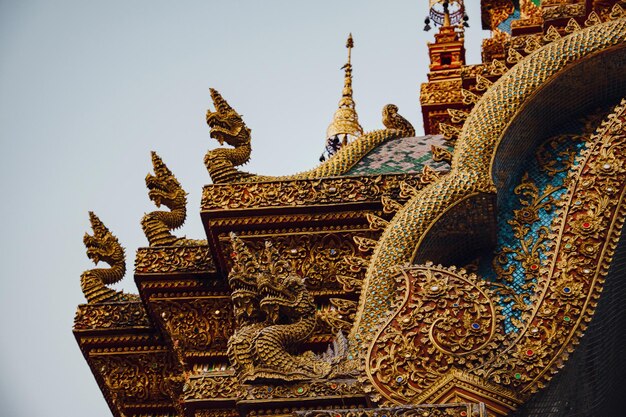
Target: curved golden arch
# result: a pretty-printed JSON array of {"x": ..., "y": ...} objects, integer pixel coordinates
[
  {"x": 471, "y": 164},
  {"x": 505, "y": 375}
]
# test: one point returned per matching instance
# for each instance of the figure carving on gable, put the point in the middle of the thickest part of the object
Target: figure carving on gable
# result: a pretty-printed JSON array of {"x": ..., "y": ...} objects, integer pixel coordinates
[{"x": 276, "y": 314}]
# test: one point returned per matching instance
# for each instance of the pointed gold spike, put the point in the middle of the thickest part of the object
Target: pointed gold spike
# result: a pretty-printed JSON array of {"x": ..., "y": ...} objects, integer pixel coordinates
[
  {"x": 469, "y": 97},
  {"x": 390, "y": 205},
  {"x": 407, "y": 191},
  {"x": 532, "y": 44},
  {"x": 349, "y": 284},
  {"x": 593, "y": 19},
  {"x": 482, "y": 84},
  {"x": 457, "y": 116},
  {"x": 513, "y": 57},
  {"x": 552, "y": 34},
  {"x": 497, "y": 67},
  {"x": 429, "y": 175},
  {"x": 345, "y": 121},
  {"x": 572, "y": 26},
  {"x": 617, "y": 12},
  {"x": 441, "y": 154},
  {"x": 376, "y": 223},
  {"x": 449, "y": 132},
  {"x": 364, "y": 244}
]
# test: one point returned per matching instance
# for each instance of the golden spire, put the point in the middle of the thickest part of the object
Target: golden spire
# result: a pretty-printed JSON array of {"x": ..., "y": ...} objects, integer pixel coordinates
[
  {"x": 345, "y": 124},
  {"x": 446, "y": 13}
]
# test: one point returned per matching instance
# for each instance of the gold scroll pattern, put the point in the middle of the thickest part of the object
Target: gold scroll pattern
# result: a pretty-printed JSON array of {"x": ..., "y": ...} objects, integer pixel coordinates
[
  {"x": 136, "y": 378},
  {"x": 471, "y": 164},
  {"x": 441, "y": 92},
  {"x": 302, "y": 192},
  {"x": 110, "y": 316},
  {"x": 217, "y": 413},
  {"x": 318, "y": 257},
  {"x": 198, "y": 324},
  {"x": 440, "y": 410},
  {"x": 444, "y": 318},
  {"x": 308, "y": 389},
  {"x": 582, "y": 243},
  {"x": 563, "y": 11},
  {"x": 570, "y": 283},
  {"x": 212, "y": 386},
  {"x": 159, "y": 260}
]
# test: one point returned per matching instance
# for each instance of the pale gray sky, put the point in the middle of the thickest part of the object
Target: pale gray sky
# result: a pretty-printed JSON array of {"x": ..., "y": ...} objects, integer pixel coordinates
[{"x": 89, "y": 88}]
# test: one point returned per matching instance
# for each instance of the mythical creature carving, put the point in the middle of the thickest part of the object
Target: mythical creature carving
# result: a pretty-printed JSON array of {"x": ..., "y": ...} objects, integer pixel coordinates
[
  {"x": 164, "y": 189},
  {"x": 518, "y": 367},
  {"x": 245, "y": 299},
  {"x": 227, "y": 126},
  {"x": 276, "y": 314},
  {"x": 103, "y": 246}
]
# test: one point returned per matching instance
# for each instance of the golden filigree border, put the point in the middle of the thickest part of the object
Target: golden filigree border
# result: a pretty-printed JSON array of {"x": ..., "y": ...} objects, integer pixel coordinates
[
  {"x": 587, "y": 230},
  {"x": 471, "y": 162},
  {"x": 569, "y": 285}
]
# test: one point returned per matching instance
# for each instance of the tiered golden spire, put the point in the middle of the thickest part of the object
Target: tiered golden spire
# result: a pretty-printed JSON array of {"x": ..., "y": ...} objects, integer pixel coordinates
[{"x": 345, "y": 124}]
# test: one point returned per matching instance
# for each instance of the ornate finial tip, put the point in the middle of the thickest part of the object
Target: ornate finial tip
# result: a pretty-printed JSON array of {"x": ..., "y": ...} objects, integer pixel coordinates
[
  {"x": 350, "y": 42},
  {"x": 96, "y": 223},
  {"x": 93, "y": 218}
]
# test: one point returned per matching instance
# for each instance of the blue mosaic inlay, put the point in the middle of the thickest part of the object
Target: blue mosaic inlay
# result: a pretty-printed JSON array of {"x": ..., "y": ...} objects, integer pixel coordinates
[{"x": 524, "y": 221}]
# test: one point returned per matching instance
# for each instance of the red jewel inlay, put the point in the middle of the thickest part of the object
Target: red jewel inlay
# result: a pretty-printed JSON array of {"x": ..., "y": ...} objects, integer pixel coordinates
[
  {"x": 529, "y": 352},
  {"x": 534, "y": 266},
  {"x": 586, "y": 225}
]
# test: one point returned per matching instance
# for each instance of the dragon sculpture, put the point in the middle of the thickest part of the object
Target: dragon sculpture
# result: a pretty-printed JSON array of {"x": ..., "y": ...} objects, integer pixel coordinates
[
  {"x": 164, "y": 189},
  {"x": 248, "y": 315},
  {"x": 276, "y": 314},
  {"x": 505, "y": 372},
  {"x": 227, "y": 126},
  {"x": 103, "y": 246}
]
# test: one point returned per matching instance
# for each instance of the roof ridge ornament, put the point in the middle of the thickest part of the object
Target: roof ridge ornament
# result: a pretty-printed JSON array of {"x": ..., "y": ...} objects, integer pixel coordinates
[{"x": 345, "y": 124}]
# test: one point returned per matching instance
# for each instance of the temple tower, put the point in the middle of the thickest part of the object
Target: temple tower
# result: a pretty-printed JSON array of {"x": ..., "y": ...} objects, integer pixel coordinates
[
  {"x": 447, "y": 58},
  {"x": 345, "y": 125}
]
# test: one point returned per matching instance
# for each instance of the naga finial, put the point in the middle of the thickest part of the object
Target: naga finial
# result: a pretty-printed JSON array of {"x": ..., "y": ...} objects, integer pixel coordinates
[
  {"x": 103, "y": 246},
  {"x": 164, "y": 189},
  {"x": 345, "y": 124},
  {"x": 227, "y": 126},
  {"x": 221, "y": 105}
]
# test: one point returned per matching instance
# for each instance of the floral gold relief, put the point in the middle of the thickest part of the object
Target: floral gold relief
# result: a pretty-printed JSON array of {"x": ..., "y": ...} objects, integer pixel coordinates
[{"x": 362, "y": 288}]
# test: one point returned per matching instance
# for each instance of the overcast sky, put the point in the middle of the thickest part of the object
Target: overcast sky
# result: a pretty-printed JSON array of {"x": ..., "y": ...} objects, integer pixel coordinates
[{"x": 89, "y": 88}]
